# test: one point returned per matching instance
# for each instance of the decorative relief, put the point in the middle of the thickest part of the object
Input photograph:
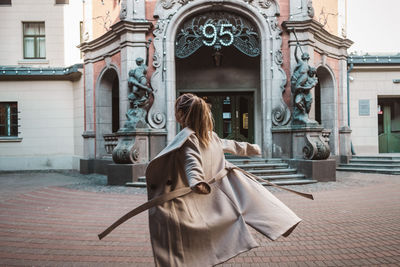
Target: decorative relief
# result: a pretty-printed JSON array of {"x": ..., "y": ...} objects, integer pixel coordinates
[
  {"x": 316, "y": 148},
  {"x": 167, "y": 4},
  {"x": 184, "y": 2},
  {"x": 278, "y": 57},
  {"x": 265, "y": 3},
  {"x": 280, "y": 114},
  {"x": 123, "y": 13},
  {"x": 217, "y": 29},
  {"x": 159, "y": 117},
  {"x": 310, "y": 9},
  {"x": 124, "y": 153}
]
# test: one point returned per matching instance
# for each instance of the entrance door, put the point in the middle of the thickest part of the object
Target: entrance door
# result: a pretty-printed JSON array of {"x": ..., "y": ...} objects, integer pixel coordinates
[
  {"x": 389, "y": 125},
  {"x": 233, "y": 114}
]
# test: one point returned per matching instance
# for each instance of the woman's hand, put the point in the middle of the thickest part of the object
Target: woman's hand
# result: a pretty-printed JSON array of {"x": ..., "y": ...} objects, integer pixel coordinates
[{"x": 201, "y": 188}]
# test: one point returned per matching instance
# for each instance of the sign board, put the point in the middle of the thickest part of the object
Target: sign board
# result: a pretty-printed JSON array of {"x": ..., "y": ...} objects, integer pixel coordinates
[{"x": 363, "y": 107}]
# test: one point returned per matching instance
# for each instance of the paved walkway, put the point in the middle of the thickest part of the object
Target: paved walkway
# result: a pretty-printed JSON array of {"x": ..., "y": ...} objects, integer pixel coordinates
[{"x": 52, "y": 219}]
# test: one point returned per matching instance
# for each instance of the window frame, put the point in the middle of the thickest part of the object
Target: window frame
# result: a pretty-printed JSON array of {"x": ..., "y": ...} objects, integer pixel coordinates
[
  {"x": 12, "y": 122},
  {"x": 35, "y": 39},
  {"x": 64, "y": 2},
  {"x": 6, "y": 4}
]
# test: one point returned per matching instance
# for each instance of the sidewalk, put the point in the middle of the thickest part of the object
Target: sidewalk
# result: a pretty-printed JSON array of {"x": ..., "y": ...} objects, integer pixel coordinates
[{"x": 52, "y": 219}]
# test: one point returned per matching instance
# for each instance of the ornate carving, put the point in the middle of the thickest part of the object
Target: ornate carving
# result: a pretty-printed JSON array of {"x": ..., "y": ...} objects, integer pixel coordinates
[
  {"x": 316, "y": 147},
  {"x": 124, "y": 153},
  {"x": 159, "y": 117},
  {"x": 278, "y": 57},
  {"x": 265, "y": 3},
  {"x": 280, "y": 114},
  {"x": 123, "y": 12},
  {"x": 310, "y": 9},
  {"x": 217, "y": 29},
  {"x": 167, "y": 4},
  {"x": 302, "y": 81},
  {"x": 184, "y": 2}
]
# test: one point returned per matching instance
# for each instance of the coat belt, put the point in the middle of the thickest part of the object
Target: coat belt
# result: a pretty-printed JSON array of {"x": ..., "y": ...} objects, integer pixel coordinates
[{"x": 186, "y": 190}]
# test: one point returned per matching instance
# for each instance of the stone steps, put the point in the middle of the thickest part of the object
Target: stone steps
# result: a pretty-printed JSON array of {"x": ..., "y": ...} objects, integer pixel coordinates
[
  {"x": 385, "y": 164},
  {"x": 273, "y": 170}
]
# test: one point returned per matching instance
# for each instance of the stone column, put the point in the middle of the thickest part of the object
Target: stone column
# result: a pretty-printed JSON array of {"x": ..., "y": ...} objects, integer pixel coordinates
[{"x": 345, "y": 144}]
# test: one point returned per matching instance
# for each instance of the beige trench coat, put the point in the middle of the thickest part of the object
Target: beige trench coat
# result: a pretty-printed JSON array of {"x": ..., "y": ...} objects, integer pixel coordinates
[{"x": 207, "y": 229}]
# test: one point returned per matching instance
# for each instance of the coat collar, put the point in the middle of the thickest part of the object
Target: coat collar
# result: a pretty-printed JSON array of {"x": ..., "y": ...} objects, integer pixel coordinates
[{"x": 176, "y": 143}]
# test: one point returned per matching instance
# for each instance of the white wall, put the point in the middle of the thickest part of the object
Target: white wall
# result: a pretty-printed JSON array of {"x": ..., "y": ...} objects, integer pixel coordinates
[
  {"x": 73, "y": 15},
  {"x": 61, "y": 27},
  {"x": 48, "y": 122},
  {"x": 369, "y": 84}
]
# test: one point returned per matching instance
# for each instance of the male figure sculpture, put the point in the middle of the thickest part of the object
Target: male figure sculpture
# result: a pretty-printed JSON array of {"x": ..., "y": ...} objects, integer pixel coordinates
[
  {"x": 302, "y": 81},
  {"x": 138, "y": 96}
]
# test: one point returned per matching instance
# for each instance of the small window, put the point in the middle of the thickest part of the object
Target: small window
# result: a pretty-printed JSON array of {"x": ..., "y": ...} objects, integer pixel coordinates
[
  {"x": 62, "y": 2},
  {"x": 34, "y": 40},
  {"x": 8, "y": 119},
  {"x": 5, "y": 2}
]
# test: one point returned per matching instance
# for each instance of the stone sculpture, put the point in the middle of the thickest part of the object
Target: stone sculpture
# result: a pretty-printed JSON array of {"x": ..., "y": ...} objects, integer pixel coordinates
[
  {"x": 139, "y": 94},
  {"x": 302, "y": 81}
]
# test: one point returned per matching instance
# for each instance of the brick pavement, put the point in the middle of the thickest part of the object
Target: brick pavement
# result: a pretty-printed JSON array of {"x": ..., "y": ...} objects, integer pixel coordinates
[{"x": 357, "y": 225}]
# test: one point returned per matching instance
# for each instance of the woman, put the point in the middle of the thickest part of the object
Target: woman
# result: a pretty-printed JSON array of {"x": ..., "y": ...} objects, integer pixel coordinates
[{"x": 208, "y": 223}]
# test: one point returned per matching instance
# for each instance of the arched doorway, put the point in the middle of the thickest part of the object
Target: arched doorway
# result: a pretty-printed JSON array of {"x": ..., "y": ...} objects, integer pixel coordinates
[
  {"x": 325, "y": 105},
  {"x": 224, "y": 72},
  {"x": 107, "y": 109},
  {"x": 269, "y": 104}
]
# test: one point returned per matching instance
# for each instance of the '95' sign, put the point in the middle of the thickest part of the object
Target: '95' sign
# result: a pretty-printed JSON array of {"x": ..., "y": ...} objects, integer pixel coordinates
[{"x": 212, "y": 35}]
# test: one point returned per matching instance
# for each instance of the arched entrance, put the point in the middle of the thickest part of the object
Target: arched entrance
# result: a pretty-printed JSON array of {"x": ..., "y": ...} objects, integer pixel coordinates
[
  {"x": 107, "y": 108},
  {"x": 224, "y": 72},
  {"x": 271, "y": 108},
  {"x": 325, "y": 105}
]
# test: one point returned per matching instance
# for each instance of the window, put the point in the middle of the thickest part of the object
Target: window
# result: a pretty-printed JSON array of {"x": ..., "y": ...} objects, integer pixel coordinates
[
  {"x": 8, "y": 119},
  {"x": 62, "y": 2},
  {"x": 5, "y": 2},
  {"x": 34, "y": 40}
]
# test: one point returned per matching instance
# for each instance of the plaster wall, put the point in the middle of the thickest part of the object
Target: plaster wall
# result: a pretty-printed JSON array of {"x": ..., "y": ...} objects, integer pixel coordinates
[
  {"x": 104, "y": 14},
  {"x": 49, "y": 125},
  {"x": 61, "y": 30},
  {"x": 327, "y": 13},
  {"x": 368, "y": 84},
  {"x": 73, "y": 15}
]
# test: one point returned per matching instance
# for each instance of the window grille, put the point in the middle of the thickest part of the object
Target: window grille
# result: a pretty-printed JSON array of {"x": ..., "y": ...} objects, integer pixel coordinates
[{"x": 8, "y": 119}]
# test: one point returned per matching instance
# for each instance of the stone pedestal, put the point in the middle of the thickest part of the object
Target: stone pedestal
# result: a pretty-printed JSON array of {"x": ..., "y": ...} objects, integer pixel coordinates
[
  {"x": 345, "y": 144},
  {"x": 300, "y": 142},
  {"x": 306, "y": 147},
  {"x": 320, "y": 170},
  {"x": 120, "y": 174},
  {"x": 132, "y": 154}
]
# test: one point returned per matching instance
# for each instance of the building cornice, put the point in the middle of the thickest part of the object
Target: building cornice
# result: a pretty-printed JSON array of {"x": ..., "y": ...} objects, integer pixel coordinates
[
  {"x": 71, "y": 73},
  {"x": 321, "y": 36},
  {"x": 374, "y": 60},
  {"x": 108, "y": 40}
]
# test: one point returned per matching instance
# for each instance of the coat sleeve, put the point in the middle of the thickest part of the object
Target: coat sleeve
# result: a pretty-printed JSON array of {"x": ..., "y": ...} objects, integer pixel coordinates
[
  {"x": 193, "y": 163},
  {"x": 240, "y": 148}
]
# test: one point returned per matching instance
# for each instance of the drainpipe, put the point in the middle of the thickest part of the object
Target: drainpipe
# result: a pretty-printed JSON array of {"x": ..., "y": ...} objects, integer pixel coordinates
[{"x": 348, "y": 103}]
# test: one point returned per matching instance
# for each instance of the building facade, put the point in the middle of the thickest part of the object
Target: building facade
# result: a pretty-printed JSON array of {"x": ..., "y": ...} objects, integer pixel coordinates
[
  {"x": 238, "y": 55},
  {"x": 374, "y": 85},
  {"x": 41, "y": 85}
]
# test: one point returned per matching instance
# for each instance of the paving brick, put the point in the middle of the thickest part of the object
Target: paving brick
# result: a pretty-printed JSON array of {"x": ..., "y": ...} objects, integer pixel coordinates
[{"x": 347, "y": 225}]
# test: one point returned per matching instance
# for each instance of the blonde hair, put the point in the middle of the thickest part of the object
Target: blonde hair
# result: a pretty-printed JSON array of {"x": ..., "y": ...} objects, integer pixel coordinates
[{"x": 196, "y": 115}]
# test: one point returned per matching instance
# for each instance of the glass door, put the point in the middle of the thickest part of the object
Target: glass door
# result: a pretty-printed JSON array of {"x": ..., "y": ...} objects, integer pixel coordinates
[
  {"x": 233, "y": 114},
  {"x": 389, "y": 125}
]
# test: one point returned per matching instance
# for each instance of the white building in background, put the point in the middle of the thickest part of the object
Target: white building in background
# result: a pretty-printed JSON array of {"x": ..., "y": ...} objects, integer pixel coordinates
[
  {"x": 374, "y": 84},
  {"x": 41, "y": 84}
]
